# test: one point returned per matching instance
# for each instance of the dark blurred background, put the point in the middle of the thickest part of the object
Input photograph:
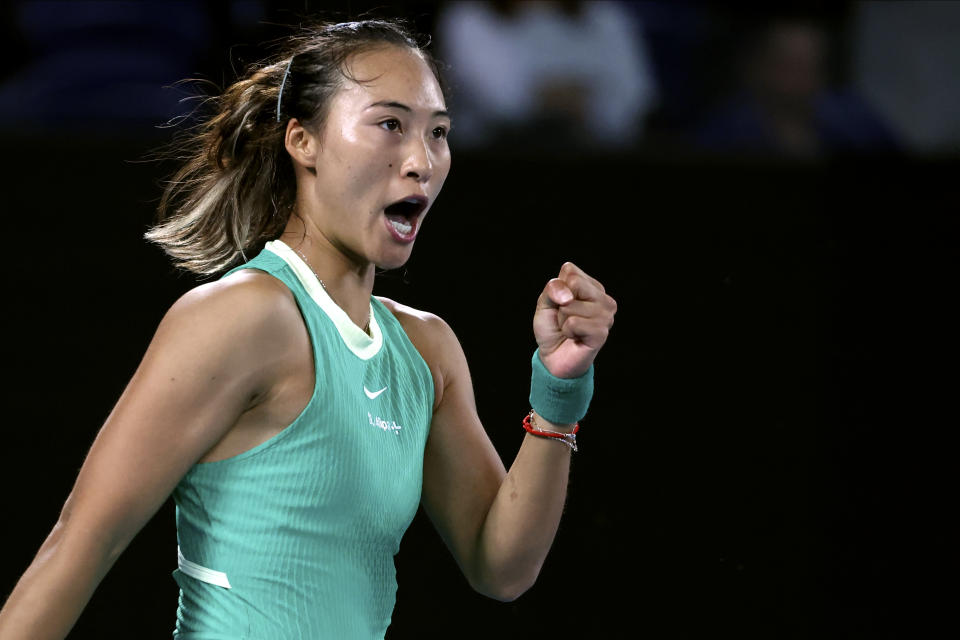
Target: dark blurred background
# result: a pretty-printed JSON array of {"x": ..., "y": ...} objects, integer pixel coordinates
[{"x": 767, "y": 194}]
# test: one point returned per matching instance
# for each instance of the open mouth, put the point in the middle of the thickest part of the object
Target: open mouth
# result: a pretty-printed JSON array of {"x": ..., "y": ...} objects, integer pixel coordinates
[{"x": 402, "y": 216}]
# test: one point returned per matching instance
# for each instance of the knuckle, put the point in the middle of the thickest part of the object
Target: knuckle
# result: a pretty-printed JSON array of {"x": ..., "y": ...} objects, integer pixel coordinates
[
  {"x": 574, "y": 280},
  {"x": 569, "y": 268}
]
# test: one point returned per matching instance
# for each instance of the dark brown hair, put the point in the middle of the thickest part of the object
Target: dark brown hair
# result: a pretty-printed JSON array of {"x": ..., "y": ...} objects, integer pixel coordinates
[{"x": 237, "y": 188}]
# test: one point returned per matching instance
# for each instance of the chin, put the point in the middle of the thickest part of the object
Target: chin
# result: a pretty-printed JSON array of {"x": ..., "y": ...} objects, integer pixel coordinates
[{"x": 393, "y": 262}]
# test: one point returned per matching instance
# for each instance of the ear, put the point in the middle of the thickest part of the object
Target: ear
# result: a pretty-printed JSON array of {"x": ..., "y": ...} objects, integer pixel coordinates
[{"x": 302, "y": 145}]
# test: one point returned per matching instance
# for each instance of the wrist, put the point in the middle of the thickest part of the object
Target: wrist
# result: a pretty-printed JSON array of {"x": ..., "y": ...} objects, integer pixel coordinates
[
  {"x": 569, "y": 438},
  {"x": 540, "y": 422},
  {"x": 562, "y": 401}
]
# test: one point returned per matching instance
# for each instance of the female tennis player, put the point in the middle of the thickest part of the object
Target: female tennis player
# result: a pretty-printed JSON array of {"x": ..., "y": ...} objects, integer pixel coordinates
[{"x": 297, "y": 420}]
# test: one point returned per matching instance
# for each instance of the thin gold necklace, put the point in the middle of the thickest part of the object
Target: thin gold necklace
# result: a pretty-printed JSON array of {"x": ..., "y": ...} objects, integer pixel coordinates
[{"x": 366, "y": 327}]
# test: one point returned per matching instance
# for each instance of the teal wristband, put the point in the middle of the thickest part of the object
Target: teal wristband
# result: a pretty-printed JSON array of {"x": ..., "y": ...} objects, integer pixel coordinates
[{"x": 559, "y": 400}]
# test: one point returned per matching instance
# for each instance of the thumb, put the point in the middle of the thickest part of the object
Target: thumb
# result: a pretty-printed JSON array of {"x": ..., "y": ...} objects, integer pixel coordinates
[{"x": 555, "y": 294}]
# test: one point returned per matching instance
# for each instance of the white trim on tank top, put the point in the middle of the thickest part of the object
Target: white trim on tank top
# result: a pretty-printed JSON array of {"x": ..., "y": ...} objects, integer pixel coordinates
[
  {"x": 194, "y": 570},
  {"x": 362, "y": 345}
]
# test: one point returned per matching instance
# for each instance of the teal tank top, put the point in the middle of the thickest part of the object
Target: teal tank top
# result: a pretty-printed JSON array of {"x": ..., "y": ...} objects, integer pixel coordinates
[{"x": 295, "y": 538}]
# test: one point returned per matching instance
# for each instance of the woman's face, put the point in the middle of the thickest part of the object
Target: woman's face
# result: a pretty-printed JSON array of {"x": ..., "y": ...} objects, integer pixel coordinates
[{"x": 384, "y": 142}]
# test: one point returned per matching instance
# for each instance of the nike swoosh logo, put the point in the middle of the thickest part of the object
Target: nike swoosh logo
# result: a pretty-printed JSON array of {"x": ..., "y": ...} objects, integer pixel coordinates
[{"x": 373, "y": 394}]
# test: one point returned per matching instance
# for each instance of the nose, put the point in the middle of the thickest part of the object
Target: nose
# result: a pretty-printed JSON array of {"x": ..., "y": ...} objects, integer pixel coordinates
[{"x": 417, "y": 164}]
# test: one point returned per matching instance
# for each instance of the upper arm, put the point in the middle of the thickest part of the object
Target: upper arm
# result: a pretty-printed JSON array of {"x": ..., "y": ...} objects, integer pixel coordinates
[
  {"x": 215, "y": 350},
  {"x": 462, "y": 471}
]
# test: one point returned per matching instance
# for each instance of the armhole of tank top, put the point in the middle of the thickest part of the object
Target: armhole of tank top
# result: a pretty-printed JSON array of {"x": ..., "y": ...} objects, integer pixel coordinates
[{"x": 283, "y": 433}]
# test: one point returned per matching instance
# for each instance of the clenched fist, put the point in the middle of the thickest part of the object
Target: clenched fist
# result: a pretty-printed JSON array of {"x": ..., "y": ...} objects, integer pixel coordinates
[{"x": 573, "y": 318}]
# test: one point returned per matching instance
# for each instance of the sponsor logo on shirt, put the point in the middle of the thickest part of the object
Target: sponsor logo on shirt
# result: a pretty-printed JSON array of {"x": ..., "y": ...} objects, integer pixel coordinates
[
  {"x": 386, "y": 425},
  {"x": 372, "y": 394}
]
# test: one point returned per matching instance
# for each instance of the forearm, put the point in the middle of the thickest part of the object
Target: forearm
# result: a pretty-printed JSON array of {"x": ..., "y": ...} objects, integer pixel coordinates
[
  {"x": 54, "y": 589},
  {"x": 522, "y": 521}
]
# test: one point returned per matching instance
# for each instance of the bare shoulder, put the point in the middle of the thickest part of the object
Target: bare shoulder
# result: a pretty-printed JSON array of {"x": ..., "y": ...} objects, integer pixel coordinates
[
  {"x": 415, "y": 320},
  {"x": 247, "y": 300},
  {"x": 250, "y": 288},
  {"x": 426, "y": 330},
  {"x": 248, "y": 320}
]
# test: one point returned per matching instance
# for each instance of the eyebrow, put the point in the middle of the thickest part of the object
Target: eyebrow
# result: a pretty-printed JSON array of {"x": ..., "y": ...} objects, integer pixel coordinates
[{"x": 399, "y": 105}]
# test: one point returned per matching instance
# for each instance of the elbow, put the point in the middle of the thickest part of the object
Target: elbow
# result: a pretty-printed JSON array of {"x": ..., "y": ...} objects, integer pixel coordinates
[
  {"x": 508, "y": 594},
  {"x": 501, "y": 572},
  {"x": 504, "y": 590}
]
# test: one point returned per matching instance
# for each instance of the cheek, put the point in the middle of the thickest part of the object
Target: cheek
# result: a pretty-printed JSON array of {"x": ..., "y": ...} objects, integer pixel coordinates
[
  {"x": 372, "y": 168},
  {"x": 442, "y": 170},
  {"x": 359, "y": 169},
  {"x": 367, "y": 178}
]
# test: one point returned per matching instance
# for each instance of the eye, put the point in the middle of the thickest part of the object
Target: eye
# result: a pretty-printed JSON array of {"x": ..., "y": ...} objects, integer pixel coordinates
[
  {"x": 391, "y": 125},
  {"x": 439, "y": 133}
]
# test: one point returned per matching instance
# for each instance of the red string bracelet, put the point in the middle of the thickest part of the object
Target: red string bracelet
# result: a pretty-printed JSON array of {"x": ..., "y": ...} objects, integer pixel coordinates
[{"x": 569, "y": 439}]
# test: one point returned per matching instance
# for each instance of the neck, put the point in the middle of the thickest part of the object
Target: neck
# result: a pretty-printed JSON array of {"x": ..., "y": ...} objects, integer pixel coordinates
[{"x": 348, "y": 281}]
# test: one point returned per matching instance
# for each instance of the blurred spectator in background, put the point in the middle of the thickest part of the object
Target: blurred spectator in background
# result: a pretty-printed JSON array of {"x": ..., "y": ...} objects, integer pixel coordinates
[
  {"x": 783, "y": 105},
  {"x": 545, "y": 74},
  {"x": 106, "y": 64},
  {"x": 906, "y": 57},
  {"x": 676, "y": 34}
]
